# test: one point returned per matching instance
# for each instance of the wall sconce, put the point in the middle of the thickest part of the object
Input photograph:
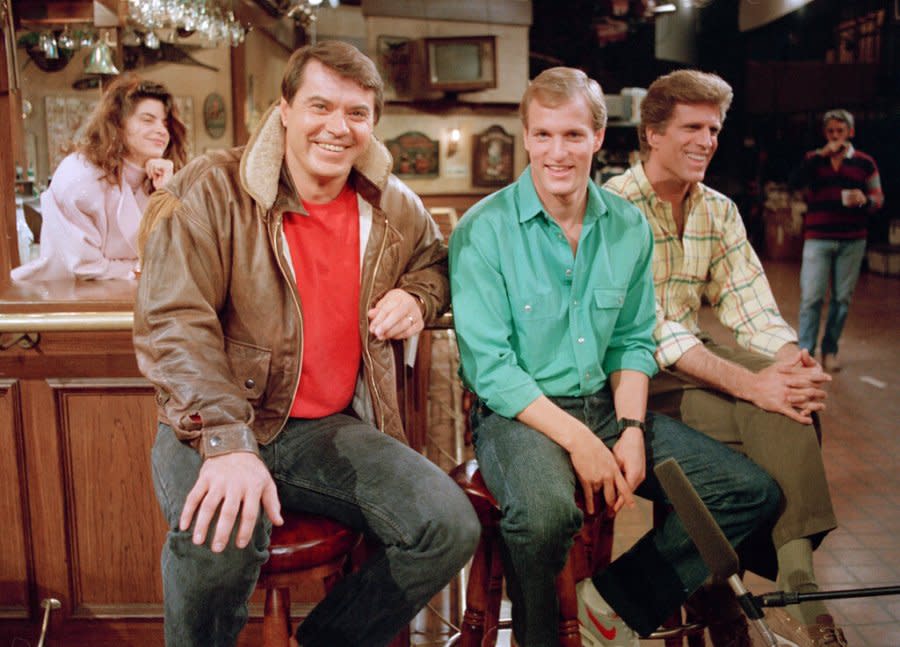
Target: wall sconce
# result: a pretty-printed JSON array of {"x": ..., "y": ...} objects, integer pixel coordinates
[{"x": 453, "y": 142}]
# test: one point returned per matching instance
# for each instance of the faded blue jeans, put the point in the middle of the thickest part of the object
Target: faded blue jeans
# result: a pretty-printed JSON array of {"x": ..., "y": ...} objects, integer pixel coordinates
[
  {"x": 824, "y": 261},
  {"x": 533, "y": 481},
  {"x": 345, "y": 469}
]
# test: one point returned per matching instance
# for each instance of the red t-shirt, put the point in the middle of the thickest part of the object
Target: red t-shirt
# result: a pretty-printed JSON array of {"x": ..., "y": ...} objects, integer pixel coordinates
[{"x": 325, "y": 254}]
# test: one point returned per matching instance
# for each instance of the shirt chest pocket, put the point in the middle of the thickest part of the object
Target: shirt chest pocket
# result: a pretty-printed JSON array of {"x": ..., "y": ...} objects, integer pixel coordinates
[
  {"x": 250, "y": 367},
  {"x": 609, "y": 298},
  {"x": 607, "y": 304}
]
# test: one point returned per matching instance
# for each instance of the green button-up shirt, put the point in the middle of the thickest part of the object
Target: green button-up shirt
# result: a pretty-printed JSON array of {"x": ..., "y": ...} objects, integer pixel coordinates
[{"x": 533, "y": 318}]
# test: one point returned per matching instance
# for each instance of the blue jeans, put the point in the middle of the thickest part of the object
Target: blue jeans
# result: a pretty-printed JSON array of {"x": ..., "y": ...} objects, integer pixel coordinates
[
  {"x": 824, "y": 261},
  {"x": 345, "y": 469},
  {"x": 533, "y": 481}
]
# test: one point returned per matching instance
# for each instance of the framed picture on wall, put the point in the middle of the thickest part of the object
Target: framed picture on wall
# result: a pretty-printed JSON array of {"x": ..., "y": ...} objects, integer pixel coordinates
[
  {"x": 394, "y": 57},
  {"x": 492, "y": 157},
  {"x": 415, "y": 155}
]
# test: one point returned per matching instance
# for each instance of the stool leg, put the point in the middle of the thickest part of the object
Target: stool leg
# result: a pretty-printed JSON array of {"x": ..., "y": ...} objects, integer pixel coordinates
[
  {"x": 472, "y": 630},
  {"x": 568, "y": 603},
  {"x": 695, "y": 639},
  {"x": 277, "y": 619},
  {"x": 494, "y": 592}
]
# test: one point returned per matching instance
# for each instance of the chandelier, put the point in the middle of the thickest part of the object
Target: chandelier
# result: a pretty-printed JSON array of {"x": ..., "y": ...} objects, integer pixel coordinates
[{"x": 213, "y": 19}]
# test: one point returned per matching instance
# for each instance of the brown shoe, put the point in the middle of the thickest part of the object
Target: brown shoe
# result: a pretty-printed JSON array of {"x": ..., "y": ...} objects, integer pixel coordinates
[
  {"x": 793, "y": 634},
  {"x": 830, "y": 363},
  {"x": 715, "y": 606}
]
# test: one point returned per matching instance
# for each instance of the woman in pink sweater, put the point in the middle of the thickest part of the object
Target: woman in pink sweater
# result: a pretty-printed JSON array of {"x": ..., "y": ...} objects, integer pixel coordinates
[{"x": 132, "y": 144}]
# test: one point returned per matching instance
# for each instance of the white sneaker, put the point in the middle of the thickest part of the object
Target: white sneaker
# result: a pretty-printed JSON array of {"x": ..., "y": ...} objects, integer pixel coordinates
[{"x": 598, "y": 624}]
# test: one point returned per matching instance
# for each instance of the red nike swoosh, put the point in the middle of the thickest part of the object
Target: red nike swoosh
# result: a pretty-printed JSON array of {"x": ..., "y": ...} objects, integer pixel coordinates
[{"x": 607, "y": 633}]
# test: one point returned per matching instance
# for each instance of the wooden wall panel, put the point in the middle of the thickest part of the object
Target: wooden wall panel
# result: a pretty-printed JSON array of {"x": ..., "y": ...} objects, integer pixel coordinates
[
  {"x": 15, "y": 562},
  {"x": 115, "y": 529}
]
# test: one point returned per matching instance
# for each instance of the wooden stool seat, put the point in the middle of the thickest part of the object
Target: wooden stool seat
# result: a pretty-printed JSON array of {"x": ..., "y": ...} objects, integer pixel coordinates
[
  {"x": 309, "y": 551},
  {"x": 306, "y": 541},
  {"x": 468, "y": 477}
]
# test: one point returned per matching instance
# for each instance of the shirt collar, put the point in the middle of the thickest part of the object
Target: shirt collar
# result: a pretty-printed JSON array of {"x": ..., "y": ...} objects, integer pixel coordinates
[
  {"x": 646, "y": 189},
  {"x": 530, "y": 205}
]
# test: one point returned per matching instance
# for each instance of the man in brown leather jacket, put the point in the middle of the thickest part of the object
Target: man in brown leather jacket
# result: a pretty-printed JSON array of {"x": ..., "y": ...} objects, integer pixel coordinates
[{"x": 274, "y": 278}]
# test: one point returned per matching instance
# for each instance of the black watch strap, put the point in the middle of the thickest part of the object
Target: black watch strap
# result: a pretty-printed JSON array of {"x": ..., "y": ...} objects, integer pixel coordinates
[{"x": 625, "y": 423}]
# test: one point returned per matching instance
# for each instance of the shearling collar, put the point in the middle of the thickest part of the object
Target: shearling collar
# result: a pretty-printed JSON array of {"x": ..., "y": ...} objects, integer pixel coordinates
[{"x": 262, "y": 159}]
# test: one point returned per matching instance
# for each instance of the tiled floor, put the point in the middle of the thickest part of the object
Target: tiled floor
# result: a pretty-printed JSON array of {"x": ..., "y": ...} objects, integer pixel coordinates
[{"x": 861, "y": 447}]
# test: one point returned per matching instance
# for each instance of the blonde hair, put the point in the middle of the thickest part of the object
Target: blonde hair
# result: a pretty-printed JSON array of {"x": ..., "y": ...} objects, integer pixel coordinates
[{"x": 557, "y": 85}]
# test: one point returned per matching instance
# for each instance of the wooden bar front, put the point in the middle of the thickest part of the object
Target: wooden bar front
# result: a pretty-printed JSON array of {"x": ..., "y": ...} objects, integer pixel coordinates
[{"x": 77, "y": 423}]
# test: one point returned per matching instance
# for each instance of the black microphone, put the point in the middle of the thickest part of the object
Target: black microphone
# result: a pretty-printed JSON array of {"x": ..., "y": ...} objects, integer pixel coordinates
[{"x": 710, "y": 541}]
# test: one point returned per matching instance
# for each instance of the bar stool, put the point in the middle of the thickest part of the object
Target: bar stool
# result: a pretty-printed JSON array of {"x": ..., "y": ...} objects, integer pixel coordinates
[
  {"x": 481, "y": 621},
  {"x": 310, "y": 551},
  {"x": 592, "y": 549}
]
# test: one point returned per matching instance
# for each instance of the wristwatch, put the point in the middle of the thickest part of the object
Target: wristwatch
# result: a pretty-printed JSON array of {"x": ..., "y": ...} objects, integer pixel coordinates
[{"x": 625, "y": 423}]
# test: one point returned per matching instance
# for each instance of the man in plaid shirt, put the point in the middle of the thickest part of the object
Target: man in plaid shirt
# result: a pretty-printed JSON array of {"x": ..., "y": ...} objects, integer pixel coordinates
[{"x": 761, "y": 398}]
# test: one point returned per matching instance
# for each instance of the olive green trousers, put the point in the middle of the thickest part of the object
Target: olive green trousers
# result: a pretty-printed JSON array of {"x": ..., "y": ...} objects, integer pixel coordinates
[{"x": 789, "y": 451}]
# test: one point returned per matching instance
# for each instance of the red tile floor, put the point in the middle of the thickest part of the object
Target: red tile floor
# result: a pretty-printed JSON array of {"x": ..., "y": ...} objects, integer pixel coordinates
[{"x": 861, "y": 446}]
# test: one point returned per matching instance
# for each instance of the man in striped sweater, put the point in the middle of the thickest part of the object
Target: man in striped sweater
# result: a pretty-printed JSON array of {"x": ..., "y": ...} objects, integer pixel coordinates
[{"x": 843, "y": 188}]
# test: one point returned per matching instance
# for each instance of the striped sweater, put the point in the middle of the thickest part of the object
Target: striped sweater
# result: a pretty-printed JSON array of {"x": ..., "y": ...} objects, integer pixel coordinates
[{"x": 826, "y": 217}]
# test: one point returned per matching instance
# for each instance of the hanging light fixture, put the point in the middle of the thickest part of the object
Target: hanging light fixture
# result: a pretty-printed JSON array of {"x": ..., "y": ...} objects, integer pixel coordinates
[
  {"x": 99, "y": 59},
  {"x": 213, "y": 19}
]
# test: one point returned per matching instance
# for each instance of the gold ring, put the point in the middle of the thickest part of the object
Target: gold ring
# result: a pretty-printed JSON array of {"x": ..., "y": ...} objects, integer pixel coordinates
[{"x": 411, "y": 320}]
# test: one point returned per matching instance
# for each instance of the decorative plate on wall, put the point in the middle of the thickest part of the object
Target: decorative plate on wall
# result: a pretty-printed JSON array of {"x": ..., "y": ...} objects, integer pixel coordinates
[
  {"x": 415, "y": 155},
  {"x": 214, "y": 115},
  {"x": 492, "y": 157}
]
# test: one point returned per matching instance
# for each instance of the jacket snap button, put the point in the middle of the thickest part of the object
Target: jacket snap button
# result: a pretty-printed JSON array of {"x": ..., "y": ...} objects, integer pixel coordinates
[{"x": 250, "y": 383}]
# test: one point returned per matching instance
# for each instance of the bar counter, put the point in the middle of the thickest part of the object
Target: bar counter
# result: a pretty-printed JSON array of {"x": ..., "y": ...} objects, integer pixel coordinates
[{"x": 77, "y": 422}]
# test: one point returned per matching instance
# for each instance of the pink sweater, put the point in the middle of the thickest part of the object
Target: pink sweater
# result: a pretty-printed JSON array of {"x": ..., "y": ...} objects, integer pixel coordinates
[{"x": 90, "y": 226}]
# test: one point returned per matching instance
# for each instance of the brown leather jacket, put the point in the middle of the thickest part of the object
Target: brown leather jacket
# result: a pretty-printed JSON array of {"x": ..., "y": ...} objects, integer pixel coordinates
[{"x": 218, "y": 324}]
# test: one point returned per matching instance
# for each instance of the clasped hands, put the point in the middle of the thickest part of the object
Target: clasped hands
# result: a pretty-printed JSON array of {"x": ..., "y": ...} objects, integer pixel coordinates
[
  {"x": 792, "y": 386},
  {"x": 616, "y": 473}
]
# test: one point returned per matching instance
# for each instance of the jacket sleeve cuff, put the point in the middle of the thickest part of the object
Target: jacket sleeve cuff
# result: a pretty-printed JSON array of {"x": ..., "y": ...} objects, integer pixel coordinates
[{"x": 226, "y": 439}]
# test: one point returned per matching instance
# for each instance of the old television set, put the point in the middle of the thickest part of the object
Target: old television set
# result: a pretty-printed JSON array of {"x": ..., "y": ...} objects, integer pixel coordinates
[{"x": 461, "y": 63}]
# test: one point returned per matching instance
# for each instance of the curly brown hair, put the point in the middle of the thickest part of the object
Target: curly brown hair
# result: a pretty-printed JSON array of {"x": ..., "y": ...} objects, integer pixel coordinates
[{"x": 102, "y": 141}]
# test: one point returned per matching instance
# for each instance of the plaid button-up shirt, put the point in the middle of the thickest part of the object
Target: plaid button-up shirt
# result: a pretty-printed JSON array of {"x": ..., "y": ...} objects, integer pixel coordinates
[{"x": 713, "y": 260}]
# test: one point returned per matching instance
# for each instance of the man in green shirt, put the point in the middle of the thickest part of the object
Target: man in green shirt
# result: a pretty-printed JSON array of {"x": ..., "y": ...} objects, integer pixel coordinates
[{"x": 554, "y": 312}]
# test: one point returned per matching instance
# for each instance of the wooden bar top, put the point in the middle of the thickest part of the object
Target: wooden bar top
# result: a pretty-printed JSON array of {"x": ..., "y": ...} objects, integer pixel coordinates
[
  {"x": 68, "y": 296},
  {"x": 67, "y": 305}
]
